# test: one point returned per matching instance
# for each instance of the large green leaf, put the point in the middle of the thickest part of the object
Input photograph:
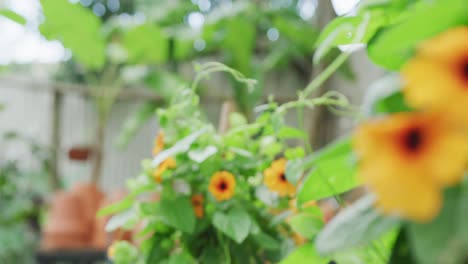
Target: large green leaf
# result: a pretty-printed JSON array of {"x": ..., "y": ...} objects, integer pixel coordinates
[
  {"x": 146, "y": 44},
  {"x": 78, "y": 29},
  {"x": 13, "y": 16},
  {"x": 294, "y": 170},
  {"x": 235, "y": 224},
  {"x": 336, "y": 149},
  {"x": 393, "y": 103},
  {"x": 305, "y": 254},
  {"x": 377, "y": 252},
  {"x": 358, "y": 224},
  {"x": 348, "y": 30},
  {"x": 178, "y": 213},
  {"x": 392, "y": 46},
  {"x": 306, "y": 224},
  {"x": 442, "y": 240},
  {"x": 333, "y": 174}
]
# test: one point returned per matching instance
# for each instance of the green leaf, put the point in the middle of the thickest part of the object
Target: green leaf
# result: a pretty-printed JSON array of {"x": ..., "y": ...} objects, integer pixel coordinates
[
  {"x": 146, "y": 44},
  {"x": 294, "y": 153},
  {"x": 401, "y": 252},
  {"x": 125, "y": 253},
  {"x": 294, "y": 170},
  {"x": 291, "y": 132},
  {"x": 200, "y": 155},
  {"x": 348, "y": 30},
  {"x": 182, "y": 257},
  {"x": 358, "y": 224},
  {"x": 235, "y": 224},
  {"x": 393, "y": 103},
  {"x": 182, "y": 145},
  {"x": 394, "y": 45},
  {"x": 266, "y": 241},
  {"x": 119, "y": 206},
  {"x": 336, "y": 149},
  {"x": 123, "y": 219},
  {"x": 305, "y": 254},
  {"x": 78, "y": 29},
  {"x": 307, "y": 225},
  {"x": 178, "y": 213},
  {"x": 134, "y": 122},
  {"x": 13, "y": 16},
  {"x": 237, "y": 119},
  {"x": 330, "y": 177},
  {"x": 442, "y": 240}
]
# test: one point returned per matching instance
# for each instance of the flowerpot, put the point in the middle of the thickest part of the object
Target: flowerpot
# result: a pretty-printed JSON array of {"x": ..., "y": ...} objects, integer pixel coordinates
[
  {"x": 91, "y": 197},
  {"x": 65, "y": 228}
]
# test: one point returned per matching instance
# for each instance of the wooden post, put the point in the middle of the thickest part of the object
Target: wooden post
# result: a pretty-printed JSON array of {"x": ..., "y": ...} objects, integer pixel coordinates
[
  {"x": 226, "y": 109},
  {"x": 320, "y": 116},
  {"x": 57, "y": 101}
]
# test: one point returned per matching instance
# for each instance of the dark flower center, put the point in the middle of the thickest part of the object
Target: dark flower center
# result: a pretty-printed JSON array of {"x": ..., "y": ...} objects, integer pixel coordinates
[
  {"x": 465, "y": 69},
  {"x": 222, "y": 186},
  {"x": 413, "y": 139},
  {"x": 283, "y": 177}
]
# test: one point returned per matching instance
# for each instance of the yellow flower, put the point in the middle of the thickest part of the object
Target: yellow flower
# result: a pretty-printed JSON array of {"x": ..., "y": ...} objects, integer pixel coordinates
[
  {"x": 437, "y": 78},
  {"x": 111, "y": 251},
  {"x": 406, "y": 159},
  {"x": 168, "y": 163},
  {"x": 158, "y": 143},
  {"x": 197, "y": 204},
  {"x": 275, "y": 178},
  {"x": 222, "y": 185}
]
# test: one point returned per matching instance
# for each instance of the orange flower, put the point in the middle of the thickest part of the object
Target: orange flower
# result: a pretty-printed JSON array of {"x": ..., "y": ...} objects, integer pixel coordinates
[
  {"x": 197, "y": 204},
  {"x": 158, "y": 143},
  {"x": 168, "y": 163},
  {"x": 406, "y": 159},
  {"x": 437, "y": 78},
  {"x": 222, "y": 185},
  {"x": 275, "y": 178},
  {"x": 298, "y": 239}
]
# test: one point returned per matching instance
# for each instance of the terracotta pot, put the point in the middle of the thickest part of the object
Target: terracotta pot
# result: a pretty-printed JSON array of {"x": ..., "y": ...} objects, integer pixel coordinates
[
  {"x": 101, "y": 239},
  {"x": 66, "y": 228},
  {"x": 91, "y": 196}
]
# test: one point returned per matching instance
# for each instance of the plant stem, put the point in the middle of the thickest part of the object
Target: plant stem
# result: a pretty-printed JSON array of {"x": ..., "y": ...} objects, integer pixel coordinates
[
  {"x": 323, "y": 76},
  {"x": 227, "y": 253},
  {"x": 300, "y": 120}
]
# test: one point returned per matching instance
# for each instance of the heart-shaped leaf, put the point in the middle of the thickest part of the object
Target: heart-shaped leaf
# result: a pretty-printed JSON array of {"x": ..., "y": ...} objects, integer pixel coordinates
[{"x": 235, "y": 224}]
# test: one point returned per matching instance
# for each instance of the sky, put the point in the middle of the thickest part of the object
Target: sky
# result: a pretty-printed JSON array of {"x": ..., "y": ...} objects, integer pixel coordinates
[{"x": 24, "y": 44}]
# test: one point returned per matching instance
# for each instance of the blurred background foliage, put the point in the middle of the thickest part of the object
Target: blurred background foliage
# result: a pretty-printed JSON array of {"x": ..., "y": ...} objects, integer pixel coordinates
[
  {"x": 21, "y": 193},
  {"x": 144, "y": 42}
]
